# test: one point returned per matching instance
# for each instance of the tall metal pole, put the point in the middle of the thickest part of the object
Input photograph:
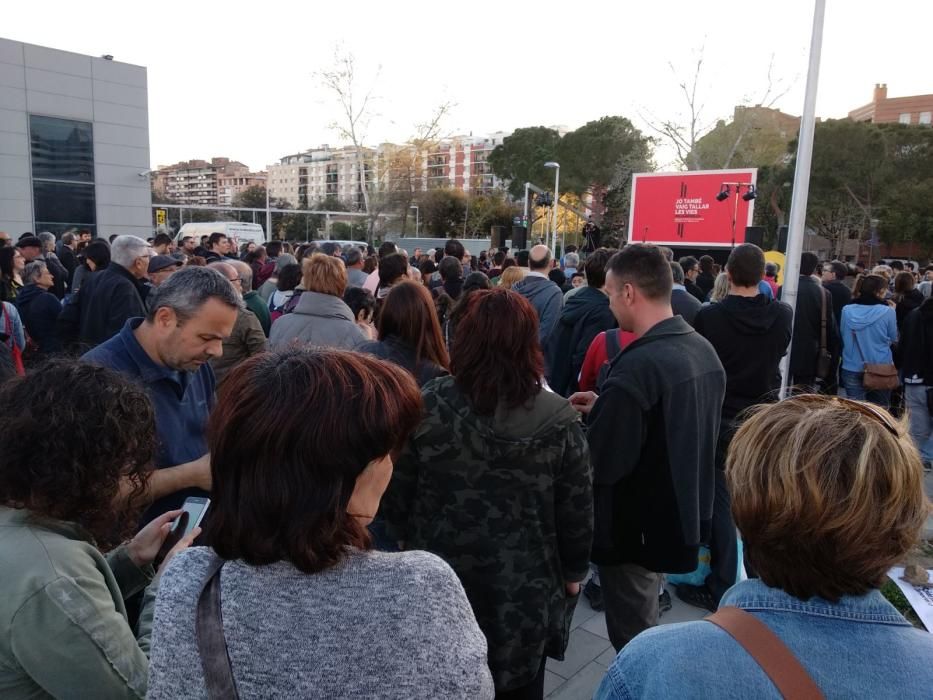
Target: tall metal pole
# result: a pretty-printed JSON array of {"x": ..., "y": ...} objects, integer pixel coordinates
[
  {"x": 798, "y": 209},
  {"x": 268, "y": 212},
  {"x": 553, "y": 245},
  {"x": 525, "y": 222}
]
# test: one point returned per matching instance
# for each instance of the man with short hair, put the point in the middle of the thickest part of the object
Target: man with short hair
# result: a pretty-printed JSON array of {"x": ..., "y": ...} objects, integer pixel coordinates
[
  {"x": 750, "y": 333},
  {"x": 161, "y": 267},
  {"x": 812, "y": 299},
  {"x": 544, "y": 295},
  {"x": 251, "y": 296},
  {"x": 652, "y": 436},
  {"x": 247, "y": 338},
  {"x": 188, "y": 246},
  {"x": 455, "y": 249},
  {"x": 66, "y": 253},
  {"x": 331, "y": 248},
  {"x": 162, "y": 244},
  {"x": 583, "y": 317},
  {"x": 218, "y": 245},
  {"x": 168, "y": 353},
  {"x": 834, "y": 275},
  {"x": 354, "y": 261},
  {"x": 107, "y": 300},
  {"x": 498, "y": 259},
  {"x": 683, "y": 303},
  {"x": 4, "y": 239},
  {"x": 691, "y": 270},
  {"x": 571, "y": 262},
  {"x": 706, "y": 279}
]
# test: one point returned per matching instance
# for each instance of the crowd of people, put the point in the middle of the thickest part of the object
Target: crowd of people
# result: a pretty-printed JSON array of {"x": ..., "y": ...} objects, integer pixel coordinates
[{"x": 417, "y": 463}]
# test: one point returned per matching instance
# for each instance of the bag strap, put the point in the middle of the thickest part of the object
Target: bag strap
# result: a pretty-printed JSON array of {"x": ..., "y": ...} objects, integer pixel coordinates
[
  {"x": 209, "y": 632},
  {"x": 858, "y": 347},
  {"x": 823, "y": 320},
  {"x": 612, "y": 344},
  {"x": 769, "y": 652}
]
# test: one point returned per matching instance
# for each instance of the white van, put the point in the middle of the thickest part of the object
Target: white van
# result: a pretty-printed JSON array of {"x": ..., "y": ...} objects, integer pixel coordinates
[{"x": 236, "y": 231}]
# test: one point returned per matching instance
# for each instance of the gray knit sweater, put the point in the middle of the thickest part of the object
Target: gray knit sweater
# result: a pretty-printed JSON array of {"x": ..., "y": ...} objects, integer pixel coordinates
[{"x": 376, "y": 626}]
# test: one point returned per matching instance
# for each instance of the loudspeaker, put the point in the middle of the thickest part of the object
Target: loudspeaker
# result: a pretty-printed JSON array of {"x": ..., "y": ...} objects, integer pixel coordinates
[
  {"x": 782, "y": 239},
  {"x": 519, "y": 238},
  {"x": 497, "y": 237},
  {"x": 755, "y": 235}
]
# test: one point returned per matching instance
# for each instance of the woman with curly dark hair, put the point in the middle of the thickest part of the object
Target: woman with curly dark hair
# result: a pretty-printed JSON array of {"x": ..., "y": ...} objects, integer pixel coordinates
[
  {"x": 497, "y": 481},
  {"x": 75, "y": 447},
  {"x": 309, "y": 610}
]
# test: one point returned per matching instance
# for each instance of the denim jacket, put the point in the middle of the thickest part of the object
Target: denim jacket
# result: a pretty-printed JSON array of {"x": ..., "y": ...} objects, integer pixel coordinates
[{"x": 860, "y": 647}]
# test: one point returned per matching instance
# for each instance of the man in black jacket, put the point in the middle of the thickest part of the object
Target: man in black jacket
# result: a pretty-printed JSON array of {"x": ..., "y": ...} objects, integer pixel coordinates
[
  {"x": 691, "y": 270},
  {"x": 917, "y": 367},
  {"x": 750, "y": 333},
  {"x": 65, "y": 250},
  {"x": 585, "y": 315},
  {"x": 834, "y": 275},
  {"x": 652, "y": 436},
  {"x": 808, "y": 314},
  {"x": 683, "y": 303},
  {"x": 108, "y": 299},
  {"x": 218, "y": 245}
]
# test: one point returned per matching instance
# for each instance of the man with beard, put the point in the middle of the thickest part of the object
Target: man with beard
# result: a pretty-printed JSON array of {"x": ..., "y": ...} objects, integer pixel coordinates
[{"x": 168, "y": 352}]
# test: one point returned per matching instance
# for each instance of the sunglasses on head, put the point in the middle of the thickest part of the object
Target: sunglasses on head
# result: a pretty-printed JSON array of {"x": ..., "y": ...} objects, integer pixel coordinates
[{"x": 863, "y": 407}]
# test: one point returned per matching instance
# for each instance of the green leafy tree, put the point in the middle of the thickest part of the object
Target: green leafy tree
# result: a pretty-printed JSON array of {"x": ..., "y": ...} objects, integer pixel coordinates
[
  {"x": 442, "y": 212},
  {"x": 520, "y": 158}
]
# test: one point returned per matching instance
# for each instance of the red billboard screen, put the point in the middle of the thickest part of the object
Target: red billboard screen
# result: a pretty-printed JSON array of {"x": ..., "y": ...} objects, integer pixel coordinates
[{"x": 681, "y": 209}]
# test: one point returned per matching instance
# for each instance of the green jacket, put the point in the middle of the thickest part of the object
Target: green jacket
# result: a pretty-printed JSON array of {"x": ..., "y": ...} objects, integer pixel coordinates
[
  {"x": 260, "y": 307},
  {"x": 63, "y": 624},
  {"x": 507, "y": 501}
]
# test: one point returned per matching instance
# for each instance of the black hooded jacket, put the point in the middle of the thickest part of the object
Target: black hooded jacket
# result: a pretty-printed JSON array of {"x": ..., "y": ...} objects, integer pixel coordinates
[
  {"x": 750, "y": 335},
  {"x": 585, "y": 315},
  {"x": 917, "y": 344}
]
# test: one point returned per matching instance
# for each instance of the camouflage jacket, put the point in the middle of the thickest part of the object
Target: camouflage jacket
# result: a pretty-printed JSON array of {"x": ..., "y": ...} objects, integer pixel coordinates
[{"x": 507, "y": 501}]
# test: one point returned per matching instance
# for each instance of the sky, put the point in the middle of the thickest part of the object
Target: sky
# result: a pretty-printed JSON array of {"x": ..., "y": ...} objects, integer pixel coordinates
[{"x": 239, "y": 79}]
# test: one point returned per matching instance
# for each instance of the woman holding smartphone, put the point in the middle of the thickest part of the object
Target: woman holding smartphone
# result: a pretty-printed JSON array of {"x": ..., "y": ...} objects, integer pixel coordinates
[
  {"x": 75, "y": 446},
  {"x": 290, "y": 600}
]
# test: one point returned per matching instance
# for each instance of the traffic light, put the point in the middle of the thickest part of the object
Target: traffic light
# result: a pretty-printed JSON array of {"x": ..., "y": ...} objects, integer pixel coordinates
[{"x": 545, "y": 199}]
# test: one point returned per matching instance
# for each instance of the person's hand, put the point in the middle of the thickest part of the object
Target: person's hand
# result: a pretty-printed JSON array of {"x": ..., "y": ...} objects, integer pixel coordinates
[
  {"x": 583, "y": 401},
  {"x": 201, "y": 472},
  {"x": 183, "y": 543},
  {"x": 369, "y": 330},
  {"x": 143, "y": 548},
  {"x": 572, "y": 589}
]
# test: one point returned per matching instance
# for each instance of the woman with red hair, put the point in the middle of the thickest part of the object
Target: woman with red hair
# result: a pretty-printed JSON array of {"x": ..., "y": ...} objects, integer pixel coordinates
[{"x": 497, "y": 481}]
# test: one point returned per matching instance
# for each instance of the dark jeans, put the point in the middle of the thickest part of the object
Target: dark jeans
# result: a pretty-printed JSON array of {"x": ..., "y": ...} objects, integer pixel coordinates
[
  {"x": 855, "y": 390},
  {"x": 630, "y": 593},
  {"x": 532, "y": 691},
  {"x": 723, "y": 544}
]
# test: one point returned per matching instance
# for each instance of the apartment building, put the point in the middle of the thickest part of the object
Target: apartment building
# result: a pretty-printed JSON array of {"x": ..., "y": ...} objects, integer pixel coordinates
[
  {"x": 915, "y": 109},
  {"x": 461, "y": 163},
  {"x": 200, "y": 182},
  {"x": 308, "y": 178}
]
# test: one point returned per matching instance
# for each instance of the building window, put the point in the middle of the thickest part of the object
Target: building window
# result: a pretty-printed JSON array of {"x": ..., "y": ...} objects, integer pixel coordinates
[
  {"x": 904, "y": 118},
  {"x": 62, "y": 174},
  {"x": 925, "y": 117}
]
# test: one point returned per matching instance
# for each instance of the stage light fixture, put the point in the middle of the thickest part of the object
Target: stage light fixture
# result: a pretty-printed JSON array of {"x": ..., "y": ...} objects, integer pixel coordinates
[
  {"x": 723, "y": 194},
  {"x": 751, "y": 194}
]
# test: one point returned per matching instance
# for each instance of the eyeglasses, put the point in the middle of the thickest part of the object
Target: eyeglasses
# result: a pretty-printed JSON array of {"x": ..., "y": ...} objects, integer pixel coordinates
[{"x": 863, "y": 407}]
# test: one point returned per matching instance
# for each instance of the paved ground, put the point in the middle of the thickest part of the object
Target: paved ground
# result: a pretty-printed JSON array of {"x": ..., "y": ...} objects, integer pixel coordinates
[{"x": 590, "y": 653}]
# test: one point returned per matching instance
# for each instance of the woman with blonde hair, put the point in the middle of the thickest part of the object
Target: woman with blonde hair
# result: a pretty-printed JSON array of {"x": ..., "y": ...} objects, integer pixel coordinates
[
  {"x": 511, "y": 276},
  {"x": 828, "y": 495},
  {"x": 720, "y": 288}
]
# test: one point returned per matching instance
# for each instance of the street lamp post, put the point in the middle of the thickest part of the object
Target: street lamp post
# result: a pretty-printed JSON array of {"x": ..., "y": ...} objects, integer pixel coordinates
[
  {"x": 556, "y": 166},
  {"x": 417, "y": 219}
]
